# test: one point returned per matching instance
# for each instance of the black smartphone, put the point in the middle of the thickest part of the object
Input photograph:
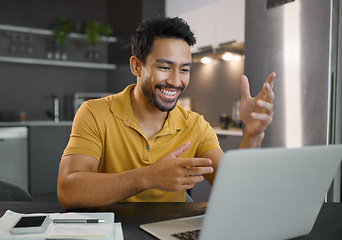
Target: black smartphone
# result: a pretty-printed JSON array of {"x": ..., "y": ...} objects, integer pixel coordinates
[{"x": 30, "y": 224}]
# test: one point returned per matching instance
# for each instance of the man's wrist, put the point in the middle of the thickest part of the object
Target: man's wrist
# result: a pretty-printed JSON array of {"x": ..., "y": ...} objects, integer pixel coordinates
[
  {"x": 144, "y": 177},
  {"x": 252, "y": 141}
]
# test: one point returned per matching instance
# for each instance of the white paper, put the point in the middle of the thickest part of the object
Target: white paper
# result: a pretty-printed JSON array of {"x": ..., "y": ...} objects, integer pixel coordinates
[
  {"x": 83, "y": 231},
  {"x": 118, "y": 234},
  {"x": 9, "y": 219},
  {"x": 108, "y": 230}
]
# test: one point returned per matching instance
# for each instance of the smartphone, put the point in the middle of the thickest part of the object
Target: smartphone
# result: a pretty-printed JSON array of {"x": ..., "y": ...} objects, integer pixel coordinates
[{"x": 31, "y": 224}]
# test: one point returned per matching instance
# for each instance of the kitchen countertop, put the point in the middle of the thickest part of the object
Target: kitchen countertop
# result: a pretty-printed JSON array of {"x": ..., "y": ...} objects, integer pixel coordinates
[
  {"x": 38, "y": 123},
  {"x": 47, "y": 123},
  {"x": 231, "y": 131}
]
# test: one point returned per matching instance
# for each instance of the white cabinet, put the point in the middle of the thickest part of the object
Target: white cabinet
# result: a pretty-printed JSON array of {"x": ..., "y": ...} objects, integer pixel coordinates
[
  {"x": 214, "y": 23},
  {"x": 202, "y": 22},
  {"x": 230, "y": 21},
  {"x": 13, "y": 156}
]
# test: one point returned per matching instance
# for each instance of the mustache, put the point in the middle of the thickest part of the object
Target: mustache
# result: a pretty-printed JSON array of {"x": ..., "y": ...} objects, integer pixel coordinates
[{"x": 160, "y": 85}]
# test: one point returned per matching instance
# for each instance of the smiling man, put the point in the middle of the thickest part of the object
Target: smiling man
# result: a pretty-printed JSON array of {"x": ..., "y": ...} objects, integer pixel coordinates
[
  {"x": 169, "y": 93},
  {"x": 138, "y": 145}
]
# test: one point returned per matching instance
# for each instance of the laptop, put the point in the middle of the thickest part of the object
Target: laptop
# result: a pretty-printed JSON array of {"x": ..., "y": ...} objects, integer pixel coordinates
[{"x": 270, "y": 193}]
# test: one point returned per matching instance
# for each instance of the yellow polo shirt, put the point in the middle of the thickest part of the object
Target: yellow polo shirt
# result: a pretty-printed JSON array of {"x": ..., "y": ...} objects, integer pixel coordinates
[{"x": 108, "y": 130}]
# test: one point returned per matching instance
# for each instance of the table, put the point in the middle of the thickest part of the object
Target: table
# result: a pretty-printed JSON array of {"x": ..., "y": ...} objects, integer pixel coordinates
[{"x": 131, "y": 215}]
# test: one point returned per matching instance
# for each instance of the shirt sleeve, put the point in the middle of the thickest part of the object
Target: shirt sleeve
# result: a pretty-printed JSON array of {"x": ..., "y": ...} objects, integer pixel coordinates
[
  {"x": 85, "y": 137},
  {"x": 209, "y": 137}
]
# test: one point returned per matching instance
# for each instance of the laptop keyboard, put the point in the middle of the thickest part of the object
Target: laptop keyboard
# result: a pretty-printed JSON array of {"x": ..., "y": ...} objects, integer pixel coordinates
[{"x": 189, "y": 235}]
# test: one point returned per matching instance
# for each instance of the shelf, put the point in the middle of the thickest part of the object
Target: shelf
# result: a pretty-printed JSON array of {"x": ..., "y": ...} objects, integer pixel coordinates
[
  {"x": 46, "y": 32},
  {"x": 105, "y": 66}
]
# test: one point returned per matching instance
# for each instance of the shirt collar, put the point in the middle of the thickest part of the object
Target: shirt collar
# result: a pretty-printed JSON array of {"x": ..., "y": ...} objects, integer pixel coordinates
[{"x": 121, "y": 107}]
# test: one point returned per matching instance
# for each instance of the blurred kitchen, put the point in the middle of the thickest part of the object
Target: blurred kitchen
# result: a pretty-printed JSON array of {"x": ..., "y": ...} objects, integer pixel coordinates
[{"x": 56, "y": 54}]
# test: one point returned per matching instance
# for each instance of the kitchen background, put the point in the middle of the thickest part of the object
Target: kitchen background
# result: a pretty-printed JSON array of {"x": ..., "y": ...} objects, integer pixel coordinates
[
  {"x": 32, "y": 87},
  {"x": 29, "y": 87}
]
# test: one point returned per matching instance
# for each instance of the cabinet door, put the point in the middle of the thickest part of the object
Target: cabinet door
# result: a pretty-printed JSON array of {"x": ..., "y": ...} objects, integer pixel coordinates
[
  {"x": 13, "y": 156},
  {"x": 218, "y": 22},
  {"x": 46, "y": 145},
  {"x": 228, "y": 142},
  {"x": 202, "y": 22},
  {"x": 230, "y": 23}
]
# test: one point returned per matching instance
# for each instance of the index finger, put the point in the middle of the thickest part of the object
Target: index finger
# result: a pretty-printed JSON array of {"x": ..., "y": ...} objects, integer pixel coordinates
[
  {"x": 178, "y": 151},
  {"x": 194, "y": 162}
]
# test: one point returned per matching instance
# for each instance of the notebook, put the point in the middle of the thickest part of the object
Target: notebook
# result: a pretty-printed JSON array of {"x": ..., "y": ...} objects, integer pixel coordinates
[
  {"x": 270, "y": 193},
  {"x": 106, "y": 231}
]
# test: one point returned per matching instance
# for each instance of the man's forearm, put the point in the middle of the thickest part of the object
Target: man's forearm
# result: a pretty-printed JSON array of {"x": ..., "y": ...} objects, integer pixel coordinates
[
  {"x": 249, "y": 141},
  {"x": 90, "y": 189}
]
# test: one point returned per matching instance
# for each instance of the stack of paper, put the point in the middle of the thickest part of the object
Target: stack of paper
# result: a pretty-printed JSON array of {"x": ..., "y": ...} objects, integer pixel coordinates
[{"x": 107, "y": 230}]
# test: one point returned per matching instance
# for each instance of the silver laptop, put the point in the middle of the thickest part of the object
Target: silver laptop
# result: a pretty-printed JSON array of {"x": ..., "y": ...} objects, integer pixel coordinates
[{"x": 271, "y": 193}]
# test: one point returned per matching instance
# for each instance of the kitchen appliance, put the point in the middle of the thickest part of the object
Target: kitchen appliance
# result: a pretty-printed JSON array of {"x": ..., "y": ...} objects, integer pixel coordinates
[
  {"x": 81, "y": 97},
  {"x": 14, "y": 155},
  {"x": 236, "y": 113},
  {"x": 299, "y": 40}
]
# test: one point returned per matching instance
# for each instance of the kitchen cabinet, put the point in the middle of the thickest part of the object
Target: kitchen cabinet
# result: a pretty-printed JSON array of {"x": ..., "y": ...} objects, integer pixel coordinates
[
  {"x": 46, "y": 145},
  {"x": 13, "y": 155},
  {"x": 49, "y": 34},
  {"x": 217, "y": 23},
  {"x": 228, "y": 142}
]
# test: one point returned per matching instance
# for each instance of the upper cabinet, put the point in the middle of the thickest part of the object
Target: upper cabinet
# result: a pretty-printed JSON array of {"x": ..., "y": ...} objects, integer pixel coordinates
[{"x": 214, "y": 22}]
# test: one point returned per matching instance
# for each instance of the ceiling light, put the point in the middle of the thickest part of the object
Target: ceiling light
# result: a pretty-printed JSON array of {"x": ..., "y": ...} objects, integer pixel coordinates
[
  {"x": 227, "y": 56},
  {"x": 205, "y": 60},
  {"x": 237, "y": 57}
]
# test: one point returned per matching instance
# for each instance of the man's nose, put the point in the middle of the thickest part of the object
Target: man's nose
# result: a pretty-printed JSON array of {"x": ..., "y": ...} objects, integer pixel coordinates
[{"x": 175, "y": 79}]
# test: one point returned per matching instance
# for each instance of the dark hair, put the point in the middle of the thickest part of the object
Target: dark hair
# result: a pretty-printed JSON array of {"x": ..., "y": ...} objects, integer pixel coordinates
[{"x": 159, "y": 27}]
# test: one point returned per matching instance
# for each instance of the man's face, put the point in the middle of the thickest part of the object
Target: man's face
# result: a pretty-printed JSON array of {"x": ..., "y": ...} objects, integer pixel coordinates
[{"x": 166, "y": 72}]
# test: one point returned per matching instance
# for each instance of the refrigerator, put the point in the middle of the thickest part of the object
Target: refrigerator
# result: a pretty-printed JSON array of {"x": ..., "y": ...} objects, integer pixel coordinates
[{"x": 300, "y": 40}]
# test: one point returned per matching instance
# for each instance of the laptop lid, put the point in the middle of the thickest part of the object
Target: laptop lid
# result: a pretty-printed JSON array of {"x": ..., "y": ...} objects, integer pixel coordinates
[{"x": 271, "y": 193}]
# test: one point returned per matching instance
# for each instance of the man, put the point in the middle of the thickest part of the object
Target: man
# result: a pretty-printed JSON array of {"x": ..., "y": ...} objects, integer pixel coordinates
[{"x": 138, "y": 145}]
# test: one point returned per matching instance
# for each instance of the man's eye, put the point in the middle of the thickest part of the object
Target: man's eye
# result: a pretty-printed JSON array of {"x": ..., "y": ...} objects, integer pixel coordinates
[
  {"x": 164, "y": 68},
  {"x": 185, "y": 70}
]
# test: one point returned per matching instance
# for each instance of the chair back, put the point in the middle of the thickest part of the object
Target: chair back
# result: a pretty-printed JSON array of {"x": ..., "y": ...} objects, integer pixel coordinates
[
  {"x": 188, "y": 198},
  {"x": 12, "y": 192}
]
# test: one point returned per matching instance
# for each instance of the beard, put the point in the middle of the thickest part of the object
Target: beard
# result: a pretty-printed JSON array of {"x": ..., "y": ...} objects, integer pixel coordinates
[{"x": 161, "y": 104}]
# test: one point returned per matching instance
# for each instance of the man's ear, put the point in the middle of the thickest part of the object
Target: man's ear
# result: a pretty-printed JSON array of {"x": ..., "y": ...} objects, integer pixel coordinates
[{"x": 136, "y": 66}]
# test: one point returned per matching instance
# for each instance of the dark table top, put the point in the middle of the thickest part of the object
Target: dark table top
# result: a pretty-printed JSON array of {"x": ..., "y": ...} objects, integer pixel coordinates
[{"x": 132, "y": 215}]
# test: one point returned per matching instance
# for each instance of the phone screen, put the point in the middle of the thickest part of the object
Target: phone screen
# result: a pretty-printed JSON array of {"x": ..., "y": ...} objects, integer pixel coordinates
[{"x": 32, "y": 221}]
